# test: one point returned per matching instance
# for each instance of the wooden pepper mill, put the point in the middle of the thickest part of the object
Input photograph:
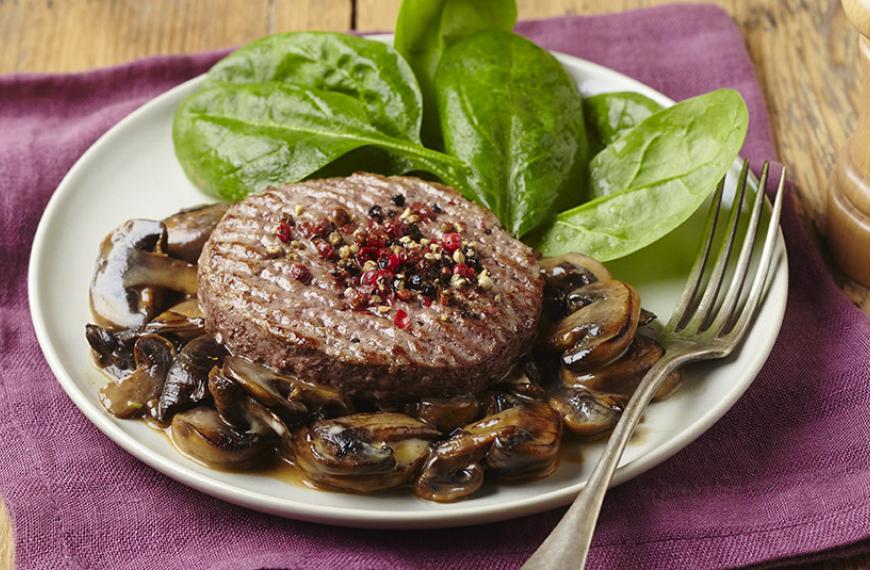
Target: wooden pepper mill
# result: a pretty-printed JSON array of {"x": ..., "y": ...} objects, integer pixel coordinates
[{"x": 848, "y": 223}]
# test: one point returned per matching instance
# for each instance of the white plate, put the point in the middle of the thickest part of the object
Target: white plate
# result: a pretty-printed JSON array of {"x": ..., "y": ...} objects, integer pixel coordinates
[{"x": 132, "y": 172}]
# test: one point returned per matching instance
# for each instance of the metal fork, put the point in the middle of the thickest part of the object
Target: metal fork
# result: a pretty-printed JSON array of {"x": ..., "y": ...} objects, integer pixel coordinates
[{"x": 701, "y": 328}]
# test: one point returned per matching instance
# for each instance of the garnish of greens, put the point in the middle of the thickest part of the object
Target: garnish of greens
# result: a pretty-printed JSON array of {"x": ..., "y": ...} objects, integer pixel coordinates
[
  {"x": 502, "y": 122},
  {"x": 652, "y": 178},
  {"x": 286, "y": 106},
  {"x": 509, "y": 111},
  {"x": 611, "y": 115},
  {"x": 426, "y": 28}
]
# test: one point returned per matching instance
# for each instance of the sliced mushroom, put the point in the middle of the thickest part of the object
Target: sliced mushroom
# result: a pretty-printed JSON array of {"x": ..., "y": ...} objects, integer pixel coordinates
[
  {"x": 130, "y": 272},
  {"x": 446, "y": 414},
  {"x": 187, "y": 380},
  {"x": 525, "y": 441},
  {"x": 564, "y": 273},
  {"x": 362, "y": 452},
  {"x": 240, "y": 410},
  {"x": 113, "y": 349},
  {"x": 602, "y": 323},
  {"x": 622, "y": 376},
  {"x": 572, "y": 270},
  {"x": 494, "y": 401},
  {"x": 519, "y": 442},
  {"x": 204, "y": 436},
  {"x": 521, "y": 385},
  {"x": 523, "y": 381},
  {"x": 188, "y": 230},
  {"x": 293, "y": 399},
  {"x": 591, "y": 402},
  {"x": 453, "y": 471},
  {"x": 137, "y": 393},
  {"x": 585, "y": 413}
]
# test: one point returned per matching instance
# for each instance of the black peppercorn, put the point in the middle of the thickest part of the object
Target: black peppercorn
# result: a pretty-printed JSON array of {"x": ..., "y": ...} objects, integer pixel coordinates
[
  {"x": 376, "y": 212},
  {"x": 414, "y": 232},
  {"x": 428, "y": 290},
  {"x": 415, "y": 282}
]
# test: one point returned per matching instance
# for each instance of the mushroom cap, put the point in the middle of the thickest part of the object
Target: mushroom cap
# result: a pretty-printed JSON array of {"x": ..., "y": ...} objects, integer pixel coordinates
[
  {"x": 293, "y": 399},
  {"x": 362, "y": 452},
  {"x": 189, "y": 229},
  {"x": 592, "y": 401},
  {"x": 137, "y": 393},
  {"x": 565, "y": 273},
  {"x": 602, "y": 323},
  {"x": 522, "y": 441},
  {"x": 452, "y": 472},
  {"x": 240, "y": 410},
  {"x": 621, "y": 376},
  {"x": 572, "y": 270},
  {"x": 187, "y": 379},
  {"x": 204, "y": 436},
  {"x": 585, "y": 413},
  {"x": 130, "y": 272},
  {"x": 446, "y": 414},
  {"x": 112, "y": 304},
  {"x": 113, "y": 348},
  {"x": 525, "y": 441}
]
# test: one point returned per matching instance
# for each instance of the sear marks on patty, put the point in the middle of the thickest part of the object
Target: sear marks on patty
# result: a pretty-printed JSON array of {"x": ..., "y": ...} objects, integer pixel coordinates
[{"x": 387, "y": 288}]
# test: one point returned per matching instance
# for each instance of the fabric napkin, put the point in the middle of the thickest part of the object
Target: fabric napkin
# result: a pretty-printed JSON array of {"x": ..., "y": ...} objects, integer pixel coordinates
[{"x": 785, "y": 473}]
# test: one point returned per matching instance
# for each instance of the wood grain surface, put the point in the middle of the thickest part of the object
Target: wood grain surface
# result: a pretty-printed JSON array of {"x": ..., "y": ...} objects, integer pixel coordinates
[{"x": 805, "y": 53}]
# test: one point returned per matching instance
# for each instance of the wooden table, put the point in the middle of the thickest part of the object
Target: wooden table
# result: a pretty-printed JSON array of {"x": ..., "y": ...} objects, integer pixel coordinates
[{"x": 804, "y": 50}]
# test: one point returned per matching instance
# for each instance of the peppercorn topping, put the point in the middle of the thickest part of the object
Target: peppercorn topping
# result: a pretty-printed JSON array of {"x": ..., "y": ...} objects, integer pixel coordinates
[
  {"x": 284, "y": 231},
  {"x": 392, "y": 256},
  {"x": 300, "y": 272},
  {"x": 401, "y": 319}
]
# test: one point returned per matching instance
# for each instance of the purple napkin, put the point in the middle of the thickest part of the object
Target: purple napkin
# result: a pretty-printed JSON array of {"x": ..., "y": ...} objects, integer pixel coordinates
[{"x": 785, "y": 473}]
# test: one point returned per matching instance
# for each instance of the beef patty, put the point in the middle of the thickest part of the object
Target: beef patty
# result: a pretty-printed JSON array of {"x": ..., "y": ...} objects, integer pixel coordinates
[{"x": 387, "y": 288}]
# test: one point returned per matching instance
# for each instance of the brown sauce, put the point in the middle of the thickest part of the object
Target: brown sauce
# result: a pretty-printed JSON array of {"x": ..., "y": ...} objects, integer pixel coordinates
[
  {"x": 287, "y": 472},
  {"x": 571, "y": 451}
]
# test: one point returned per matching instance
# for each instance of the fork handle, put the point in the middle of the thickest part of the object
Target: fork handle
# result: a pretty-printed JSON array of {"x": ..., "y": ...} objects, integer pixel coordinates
[{"x": 568, "y": 545}]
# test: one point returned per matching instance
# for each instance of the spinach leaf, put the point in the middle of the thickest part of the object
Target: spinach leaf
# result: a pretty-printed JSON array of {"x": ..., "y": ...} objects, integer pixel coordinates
[
  {"x": 512, "y": 114},
  {"x": 611, "y": 115},
  {"x": 653, "y": 178},
  {"x": 370, "y": 71},
  {"x": 234, "y": 139},
  {"x": 425, "y": 28}
]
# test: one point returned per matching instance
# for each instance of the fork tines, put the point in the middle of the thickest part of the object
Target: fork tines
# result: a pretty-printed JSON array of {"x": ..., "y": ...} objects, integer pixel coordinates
[{"x": 705, "y": 310}]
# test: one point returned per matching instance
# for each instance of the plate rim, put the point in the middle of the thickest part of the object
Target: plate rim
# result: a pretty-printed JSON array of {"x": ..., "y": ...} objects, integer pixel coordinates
[{"x": 351, "y": 516}]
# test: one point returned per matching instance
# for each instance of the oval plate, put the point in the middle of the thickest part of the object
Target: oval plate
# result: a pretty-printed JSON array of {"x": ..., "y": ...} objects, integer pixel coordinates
[{"x": 131, "y": 171}]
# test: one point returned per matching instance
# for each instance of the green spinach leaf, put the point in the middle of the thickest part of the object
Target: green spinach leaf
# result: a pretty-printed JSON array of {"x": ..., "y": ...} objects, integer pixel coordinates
[
  {"x": 235, "y": 139},
  {"x": 425, "y": 28},
  {"x": 653, "y": 178},
  {"x": 370, "y": 71},
  {"x": 512, "y": 114},
  {"x": 611, "y": 115}
]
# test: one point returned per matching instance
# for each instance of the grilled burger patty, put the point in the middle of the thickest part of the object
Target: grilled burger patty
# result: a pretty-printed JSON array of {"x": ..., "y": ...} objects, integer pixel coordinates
[{"x": 387, "y": 288}]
